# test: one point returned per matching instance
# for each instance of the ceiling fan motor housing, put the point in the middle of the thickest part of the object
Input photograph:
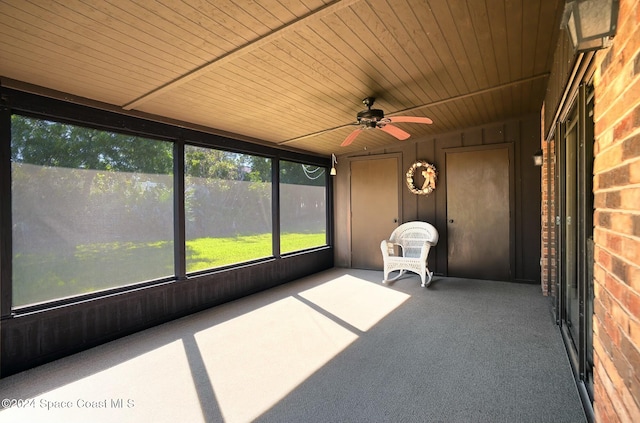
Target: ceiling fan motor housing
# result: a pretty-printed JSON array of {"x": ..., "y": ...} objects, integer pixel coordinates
[
  {"x": 370, "y": 118},
  {"x": 374, "y": 118}
]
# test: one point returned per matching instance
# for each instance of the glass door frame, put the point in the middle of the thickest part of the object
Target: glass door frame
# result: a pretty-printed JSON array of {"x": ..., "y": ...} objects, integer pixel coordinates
[{"x": 578, "y": 339}]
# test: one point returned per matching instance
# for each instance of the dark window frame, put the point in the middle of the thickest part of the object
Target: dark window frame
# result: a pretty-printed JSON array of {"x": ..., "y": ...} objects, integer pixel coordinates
[
  {"x": 327, "y": 209},
  {"x": 104, "y": 118},
  {"x": 183, "y": 241}
]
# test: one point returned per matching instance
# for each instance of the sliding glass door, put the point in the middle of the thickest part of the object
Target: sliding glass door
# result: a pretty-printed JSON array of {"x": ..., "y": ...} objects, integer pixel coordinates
[{"x": 575, "y": 234}]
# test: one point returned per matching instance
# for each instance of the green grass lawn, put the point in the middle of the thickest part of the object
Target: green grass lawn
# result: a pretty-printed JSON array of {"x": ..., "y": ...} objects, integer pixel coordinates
[
  {"x": 206, "y": 253},
  {"x": 95, "y": 267}
]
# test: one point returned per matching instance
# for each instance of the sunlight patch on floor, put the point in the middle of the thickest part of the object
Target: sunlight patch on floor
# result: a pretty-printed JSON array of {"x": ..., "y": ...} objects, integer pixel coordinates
[
  {"x": 358, "y": 302},
  {"x": 233, "y": 362},
  {"x": 256, "y": 359},
  {"x": 134, "y": 390}
]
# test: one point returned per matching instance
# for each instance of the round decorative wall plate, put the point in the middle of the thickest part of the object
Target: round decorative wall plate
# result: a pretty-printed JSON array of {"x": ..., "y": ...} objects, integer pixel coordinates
[{"x": 429, "y": 176}]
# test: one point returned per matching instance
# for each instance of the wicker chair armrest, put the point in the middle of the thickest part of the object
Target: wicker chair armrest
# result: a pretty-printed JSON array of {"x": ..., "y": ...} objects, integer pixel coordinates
[{"x": 388, "y": 249}]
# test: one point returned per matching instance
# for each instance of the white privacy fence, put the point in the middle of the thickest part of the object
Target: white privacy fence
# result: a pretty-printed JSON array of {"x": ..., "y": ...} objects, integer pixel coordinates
[{"x": 57, "y": 207}]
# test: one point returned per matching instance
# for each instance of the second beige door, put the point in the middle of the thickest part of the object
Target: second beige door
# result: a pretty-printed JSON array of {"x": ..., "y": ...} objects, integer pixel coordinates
[{"x": 478, "y": 213}]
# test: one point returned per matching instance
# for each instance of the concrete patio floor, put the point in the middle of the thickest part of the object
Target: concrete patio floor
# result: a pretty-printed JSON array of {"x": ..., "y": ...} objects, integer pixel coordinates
[{"x": 338, "y": 346}]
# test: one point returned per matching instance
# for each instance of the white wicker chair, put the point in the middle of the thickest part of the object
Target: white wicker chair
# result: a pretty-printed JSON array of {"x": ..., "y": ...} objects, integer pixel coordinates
[{"x": 414, "y": 240}]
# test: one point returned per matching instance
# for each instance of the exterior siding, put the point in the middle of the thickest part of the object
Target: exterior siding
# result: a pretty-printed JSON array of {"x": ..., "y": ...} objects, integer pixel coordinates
[{"x": 617, "y": 223}]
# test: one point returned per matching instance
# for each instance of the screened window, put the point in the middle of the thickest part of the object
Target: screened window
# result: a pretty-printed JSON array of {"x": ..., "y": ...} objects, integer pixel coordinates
[
  {"x": 227, "y": 208},
  {"x": 303, "y": 209},
  {"x": 91, "y": 210}
]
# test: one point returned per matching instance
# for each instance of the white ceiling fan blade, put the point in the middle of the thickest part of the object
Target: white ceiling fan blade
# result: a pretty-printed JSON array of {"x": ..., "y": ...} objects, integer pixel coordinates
[
  {"x": 411, "y": 119},
  {"x": 352, "y": 136},
  {"x": 395, "y": 131}
]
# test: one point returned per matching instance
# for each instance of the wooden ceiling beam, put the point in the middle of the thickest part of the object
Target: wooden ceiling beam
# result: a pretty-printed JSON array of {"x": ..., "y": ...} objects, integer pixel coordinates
[{"x": 310, "y": 17}]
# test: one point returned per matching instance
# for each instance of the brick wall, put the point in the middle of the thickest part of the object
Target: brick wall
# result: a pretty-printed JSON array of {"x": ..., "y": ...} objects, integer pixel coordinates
[
  {"x": 548, "y": 234},
  {"x": 617, "y": 223}
]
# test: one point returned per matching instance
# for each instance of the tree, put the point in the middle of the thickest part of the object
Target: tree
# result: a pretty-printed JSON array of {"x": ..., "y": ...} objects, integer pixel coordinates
[
  {"x": 216, "y": 164},
  {"x": 48, "y": 143},
  {"x": 260, "y": 169},
  {"x": 301, "y": 174}
]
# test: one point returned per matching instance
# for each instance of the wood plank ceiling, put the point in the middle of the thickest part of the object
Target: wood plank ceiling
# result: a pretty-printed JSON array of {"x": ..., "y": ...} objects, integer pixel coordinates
[{"x": 291, "y": 73}]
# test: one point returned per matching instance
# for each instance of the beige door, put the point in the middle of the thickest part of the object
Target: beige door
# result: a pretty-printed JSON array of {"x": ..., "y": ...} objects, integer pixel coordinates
[
  {"x": 374, "y": 209},
  {"x": 478, "y": 210}
]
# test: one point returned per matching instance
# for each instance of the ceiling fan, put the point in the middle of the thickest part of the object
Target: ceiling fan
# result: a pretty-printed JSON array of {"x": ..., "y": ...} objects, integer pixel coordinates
[{"x": 374, "y": 119}]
